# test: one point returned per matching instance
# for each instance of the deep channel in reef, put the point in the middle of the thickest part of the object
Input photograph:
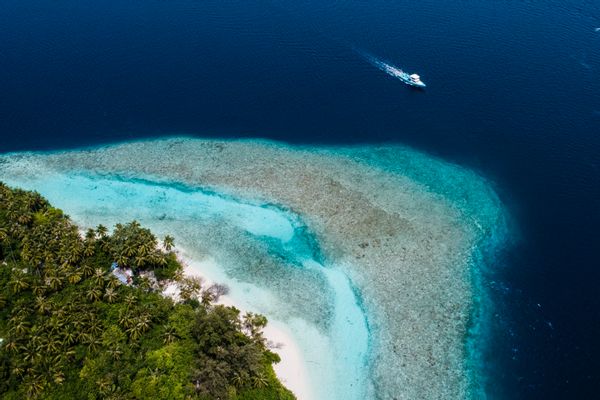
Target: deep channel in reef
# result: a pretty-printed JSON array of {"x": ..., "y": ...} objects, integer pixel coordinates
[{"x": 370, "y": 256}]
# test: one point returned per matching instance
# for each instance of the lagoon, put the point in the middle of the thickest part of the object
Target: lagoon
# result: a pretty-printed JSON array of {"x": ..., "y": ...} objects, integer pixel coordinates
[{"x": 380, "y": 289}]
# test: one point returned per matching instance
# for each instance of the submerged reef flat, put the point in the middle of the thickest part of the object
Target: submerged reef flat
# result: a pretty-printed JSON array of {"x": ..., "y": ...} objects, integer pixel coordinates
[{"x": 381, "y": 231}]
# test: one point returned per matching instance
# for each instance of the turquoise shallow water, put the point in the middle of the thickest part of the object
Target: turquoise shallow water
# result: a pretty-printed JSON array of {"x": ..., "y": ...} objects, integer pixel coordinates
[
  {"x": 371, "y": 258},
  {"x": 513, "y": 91},
  {"x": 335, "y": 326}
]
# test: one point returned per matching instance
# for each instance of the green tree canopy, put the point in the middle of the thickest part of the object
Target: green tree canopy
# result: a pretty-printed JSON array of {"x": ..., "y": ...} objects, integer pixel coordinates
[{"x": 72, "y": 330}]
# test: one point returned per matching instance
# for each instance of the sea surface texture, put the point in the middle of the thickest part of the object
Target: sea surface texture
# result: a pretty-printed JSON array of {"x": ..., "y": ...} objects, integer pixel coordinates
[
  {"x": 513, "y": 94},
  {"x": 371, "y": 256}
]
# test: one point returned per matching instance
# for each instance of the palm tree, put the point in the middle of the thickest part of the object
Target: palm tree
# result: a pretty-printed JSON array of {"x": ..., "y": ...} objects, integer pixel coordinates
[
  {"x": 206, "y": 298},
  {"x": 126, "y": 320},
  {"x": 170, "y": 335},
  {"x": 84, "y": 337},
  {"x": 140, "y": 261},
  {"x": 144, "y": 248},
  {"x": 110, "y": 295},
  {"x": 12, "y": 213},
  {"x": 19, "y": 326},
  {"x": 131, "y": 249},
  {"x": 18, "y": 370},
  {"x": 168, "y": 242},
  {"x": 178, "y": 275},
  {"x": 42, "y": 304},
  {"x": 18, "y": 283},
  {"x": 73, "y": 254},
  {"x": 122, "y": 260},
  {"x": 69, "y": 337},
  {"x": 68, "y": 354},
  {"x": 161, "y": 260},
  {"x": 52, "y": 345},
  {"x": 36, "y": 339},
  {"x": 34, "y": 386},
  {"x": 98, "y": 276},
  {"x": 144, "y": 283},
  {"x": 238, "y": 381},
  {"x": 113, "y": 282},
  {"x": 11, "y": 346},
  {"x": 134, "y": 332},
  {"x": 57, "y": 376},
  {"x": 143, "y": 321},
  {"x": 95, "y": 327},
  {"x": 62, "y": 312},
  {"x": 54, "y": 282},
  {"x": 94, "y": 294},
  {"x": 39, "y": 289},
  {"x": 31, "y": 353},
  {"x": 130, "y": 300},
  {"x": 24, "y": 219},
  {"x": 3, "y": 233},
  {"x": 102, "y": 231},
  {"x": 78, "y": 322},
  {"x": 89, "y": 249},
  {"x": 55, "y": 324},
  {"x": 105, "y": 386},
  {"x": 115, "y": 352},
  {"x": 74, "y": 277},
  {"x": 260, "y": 381},
  {"x": 90, "y": 235},
  {"x": 94, "y": 344},
  {"x": 189, "y": 287},
  {"x": 87, "y": 270}
]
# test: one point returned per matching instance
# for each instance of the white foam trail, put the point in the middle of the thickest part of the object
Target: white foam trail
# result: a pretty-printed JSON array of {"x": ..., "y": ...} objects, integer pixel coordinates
[{"x": 382, "y": 65}]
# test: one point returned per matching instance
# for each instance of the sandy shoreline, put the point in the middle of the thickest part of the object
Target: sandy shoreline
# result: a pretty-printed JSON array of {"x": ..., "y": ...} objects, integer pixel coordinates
[
  {"x": 405, "y": 229},
  {"x": 292, "y": 369}
]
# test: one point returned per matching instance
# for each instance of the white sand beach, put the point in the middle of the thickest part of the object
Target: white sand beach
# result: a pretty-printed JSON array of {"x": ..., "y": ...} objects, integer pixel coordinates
[
  {"x": 292, "y": 369},
  {"x": 365, "y": 260}
]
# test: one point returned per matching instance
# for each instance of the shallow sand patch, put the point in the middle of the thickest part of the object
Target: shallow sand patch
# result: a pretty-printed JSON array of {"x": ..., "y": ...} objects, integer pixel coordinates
[{"x": 407, "y": 229}]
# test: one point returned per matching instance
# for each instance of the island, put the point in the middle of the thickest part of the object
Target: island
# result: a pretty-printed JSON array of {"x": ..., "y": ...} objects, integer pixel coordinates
[
  {"x": 83, "y": 315},
  {"x": 371, "y": 261}
]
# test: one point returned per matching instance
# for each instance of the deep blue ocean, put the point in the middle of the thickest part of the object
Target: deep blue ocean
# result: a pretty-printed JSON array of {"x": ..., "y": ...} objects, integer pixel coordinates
[{"x": 513, "y": 92}]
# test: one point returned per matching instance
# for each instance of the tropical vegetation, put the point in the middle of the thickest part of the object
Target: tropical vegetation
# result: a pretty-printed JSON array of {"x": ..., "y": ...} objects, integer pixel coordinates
[{"x": 70, "y": 329}]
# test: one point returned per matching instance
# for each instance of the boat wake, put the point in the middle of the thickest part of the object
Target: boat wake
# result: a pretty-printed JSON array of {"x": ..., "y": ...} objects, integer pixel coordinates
[
  {"x": 383, "y": 66},
  {"x": 391, "y": 70}
]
